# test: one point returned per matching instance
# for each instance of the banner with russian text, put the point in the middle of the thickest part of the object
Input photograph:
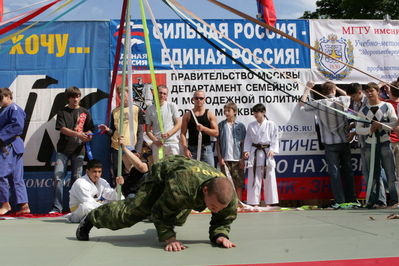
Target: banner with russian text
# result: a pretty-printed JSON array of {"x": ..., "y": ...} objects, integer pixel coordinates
[
  {"x": 301, "y": 168},
  {"x": 189, "y": 51},
  {"x": 369, "y": 45},
  {"x": 38, "y": 66}
]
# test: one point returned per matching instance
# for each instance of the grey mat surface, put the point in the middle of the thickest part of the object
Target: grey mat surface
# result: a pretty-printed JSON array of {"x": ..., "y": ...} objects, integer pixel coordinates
[{"x": 287, "y": 236}]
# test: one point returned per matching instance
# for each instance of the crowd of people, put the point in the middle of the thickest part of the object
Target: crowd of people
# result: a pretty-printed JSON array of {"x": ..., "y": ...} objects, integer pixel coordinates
[
  {"x": 365, "y": 115},
  {"x": 181, "y": 173}
]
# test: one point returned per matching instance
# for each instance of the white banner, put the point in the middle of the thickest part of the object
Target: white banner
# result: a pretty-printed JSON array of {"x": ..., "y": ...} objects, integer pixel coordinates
[{"x": 372, "y": 46}]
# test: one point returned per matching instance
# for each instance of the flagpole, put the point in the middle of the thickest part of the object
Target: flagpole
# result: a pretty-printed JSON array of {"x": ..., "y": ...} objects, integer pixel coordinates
[
  {"x": 122, "y": 104},
  {"x": 116, "y": 61},
  {"x": 152, "y": 72}
]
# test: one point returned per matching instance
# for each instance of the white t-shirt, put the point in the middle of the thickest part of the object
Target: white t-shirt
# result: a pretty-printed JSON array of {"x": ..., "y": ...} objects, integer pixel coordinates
[
  {"x": 169, "y": 114},
  {"x": 229, "y": 156}
]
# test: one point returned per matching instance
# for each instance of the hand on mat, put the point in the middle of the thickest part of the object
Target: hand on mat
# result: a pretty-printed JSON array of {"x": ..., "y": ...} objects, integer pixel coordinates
[
  {"x": 173, "y": 245},
  {"x": 224, "y": 242}
]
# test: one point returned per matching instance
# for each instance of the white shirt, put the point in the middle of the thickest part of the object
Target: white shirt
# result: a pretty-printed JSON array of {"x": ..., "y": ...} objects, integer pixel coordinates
[
  {"x": 229, "y": 156},
  {"x": 169, "y": 115},
  {"x": 84, "y": 190}
]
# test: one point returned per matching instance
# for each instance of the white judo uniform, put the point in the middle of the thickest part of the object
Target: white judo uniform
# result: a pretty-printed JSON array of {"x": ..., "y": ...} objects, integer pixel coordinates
[
  {"x": 85, "y": 196},
  {"x": 261, "y": 134}
]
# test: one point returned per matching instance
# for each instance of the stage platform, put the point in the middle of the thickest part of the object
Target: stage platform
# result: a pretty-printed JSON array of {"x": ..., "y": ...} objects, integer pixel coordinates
[{"x": 261, "y": 238}]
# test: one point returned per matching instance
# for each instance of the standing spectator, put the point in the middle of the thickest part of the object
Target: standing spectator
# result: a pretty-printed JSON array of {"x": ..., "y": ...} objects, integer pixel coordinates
[
  {"x": 207, "y": 125},
  {"x": 74, "y": 123},
  {"x": 383, "y": 116},
  {"x": 12, "y": 121},
  {"x": 90, "y": 192},
  {"x": 393, "y": 93},
  {"x": 115, "y": 132},
  {"x": 334, "y": 138},
  {"x": 171, "y": 124},
  {"x": 260, "y": 145},
  {"x": 358, "y": 101},
  {"x": 229, "y": 146}
]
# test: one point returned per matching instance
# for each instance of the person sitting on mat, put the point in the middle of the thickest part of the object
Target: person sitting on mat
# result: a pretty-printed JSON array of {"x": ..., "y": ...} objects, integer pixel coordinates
[{"x": 90, "y": 192}]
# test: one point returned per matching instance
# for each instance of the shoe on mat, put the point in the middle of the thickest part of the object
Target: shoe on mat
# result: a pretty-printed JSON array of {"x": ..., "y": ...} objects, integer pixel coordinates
[
  {"x": 83, "y": 230},
  {"x": 54, "y": 211},
  {"x": 356, "y": 204},
  {"x": 346, "y": 206}
]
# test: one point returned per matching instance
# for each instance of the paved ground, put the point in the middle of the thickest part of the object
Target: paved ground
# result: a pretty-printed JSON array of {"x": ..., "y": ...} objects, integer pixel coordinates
[{"x": 287, "y": 236}]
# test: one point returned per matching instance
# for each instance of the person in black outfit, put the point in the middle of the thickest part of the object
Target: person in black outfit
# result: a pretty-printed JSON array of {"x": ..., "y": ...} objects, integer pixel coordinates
[
  {"x": 74, "y": 123},
  {"x": 206, "y": 124}
]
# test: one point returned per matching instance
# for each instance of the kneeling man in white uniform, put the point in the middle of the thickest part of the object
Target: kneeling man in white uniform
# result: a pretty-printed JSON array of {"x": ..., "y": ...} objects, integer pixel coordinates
[{"x": 89, "y": 192}]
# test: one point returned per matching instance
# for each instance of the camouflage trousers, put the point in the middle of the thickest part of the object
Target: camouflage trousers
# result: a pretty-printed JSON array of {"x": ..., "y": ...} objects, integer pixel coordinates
[{"x": 125, "y": 213}]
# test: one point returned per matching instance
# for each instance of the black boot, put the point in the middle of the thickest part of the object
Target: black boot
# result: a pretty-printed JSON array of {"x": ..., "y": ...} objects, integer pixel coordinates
[{"x": 83, "y": 230}]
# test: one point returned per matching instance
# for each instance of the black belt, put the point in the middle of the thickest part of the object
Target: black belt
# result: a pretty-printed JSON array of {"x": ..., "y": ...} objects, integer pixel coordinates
[{"x": 259, "y": 147}]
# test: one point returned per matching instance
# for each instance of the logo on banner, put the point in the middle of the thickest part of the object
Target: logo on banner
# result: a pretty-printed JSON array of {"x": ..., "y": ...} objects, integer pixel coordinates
[
  {"x": 137, "y": 46},
  {"x": 340, "y": 49},
  {"x": 41, "y": 105}
]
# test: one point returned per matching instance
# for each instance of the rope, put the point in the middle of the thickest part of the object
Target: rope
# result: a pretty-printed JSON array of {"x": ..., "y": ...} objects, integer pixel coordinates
[
  {"x": 181, "y": 15},
  {"x": 152, "y": 72},
  {"x": 260, "y": 23},
  {"x": 25, "y": 7}
]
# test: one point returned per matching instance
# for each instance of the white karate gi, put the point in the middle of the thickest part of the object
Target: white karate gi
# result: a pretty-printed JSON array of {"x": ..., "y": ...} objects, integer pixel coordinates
[
  {"x": 85, "y": 196},
  {"x": 265, "y": 133}
]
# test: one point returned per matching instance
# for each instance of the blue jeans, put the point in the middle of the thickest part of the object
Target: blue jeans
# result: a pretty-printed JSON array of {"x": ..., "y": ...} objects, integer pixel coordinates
[
  {"x": 388, "y": 164},
  {"x": 60, "y": 170},
  {"x": 206, "y": 154},
  {"x": 338, "y": 157}
]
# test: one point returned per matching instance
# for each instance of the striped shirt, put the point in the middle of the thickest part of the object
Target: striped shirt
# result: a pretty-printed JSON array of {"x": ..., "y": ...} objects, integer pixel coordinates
[
  {"x": 332, "y": 124},
  {"x": 384, "y": 113}
]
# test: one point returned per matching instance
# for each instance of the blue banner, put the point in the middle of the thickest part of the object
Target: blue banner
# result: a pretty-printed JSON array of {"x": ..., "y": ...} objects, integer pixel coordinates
[
  {"x": 189, "y": 51},
  {"x": 38, "y": 66}
]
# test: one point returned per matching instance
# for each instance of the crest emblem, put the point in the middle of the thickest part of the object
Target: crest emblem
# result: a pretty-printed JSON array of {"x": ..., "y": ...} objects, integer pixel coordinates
[
  {"x": 137, "y": 46},
  {"x": 340, "y": 49}
]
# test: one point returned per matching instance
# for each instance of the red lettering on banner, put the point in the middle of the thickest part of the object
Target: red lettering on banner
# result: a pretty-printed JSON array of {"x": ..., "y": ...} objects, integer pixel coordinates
[
  {"x": 356, "y": 30},
  {"x": 307, "y": 188}
]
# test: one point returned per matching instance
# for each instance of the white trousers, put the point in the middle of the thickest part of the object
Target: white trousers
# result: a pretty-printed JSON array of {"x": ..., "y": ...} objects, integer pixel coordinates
[
  {"x": 83, "y": 209},
  {"x": 168, "y": 149},
  {"x": 269, "y": 186}
]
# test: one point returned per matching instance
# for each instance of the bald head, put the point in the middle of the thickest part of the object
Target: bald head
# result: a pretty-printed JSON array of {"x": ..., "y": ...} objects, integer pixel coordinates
[
  {"x": 199, "y": 93},
  {"x": 222, "y": 188}
]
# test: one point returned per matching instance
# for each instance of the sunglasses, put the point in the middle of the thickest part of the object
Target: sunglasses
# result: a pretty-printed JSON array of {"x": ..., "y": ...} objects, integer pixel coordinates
[{"x": 199, "y": 98}]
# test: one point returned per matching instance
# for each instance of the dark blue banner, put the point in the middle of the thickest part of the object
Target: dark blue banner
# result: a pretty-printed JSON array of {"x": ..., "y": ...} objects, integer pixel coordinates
[
  {"x": 38, "y": 65},
  {"x": 189, "y": 51}
]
